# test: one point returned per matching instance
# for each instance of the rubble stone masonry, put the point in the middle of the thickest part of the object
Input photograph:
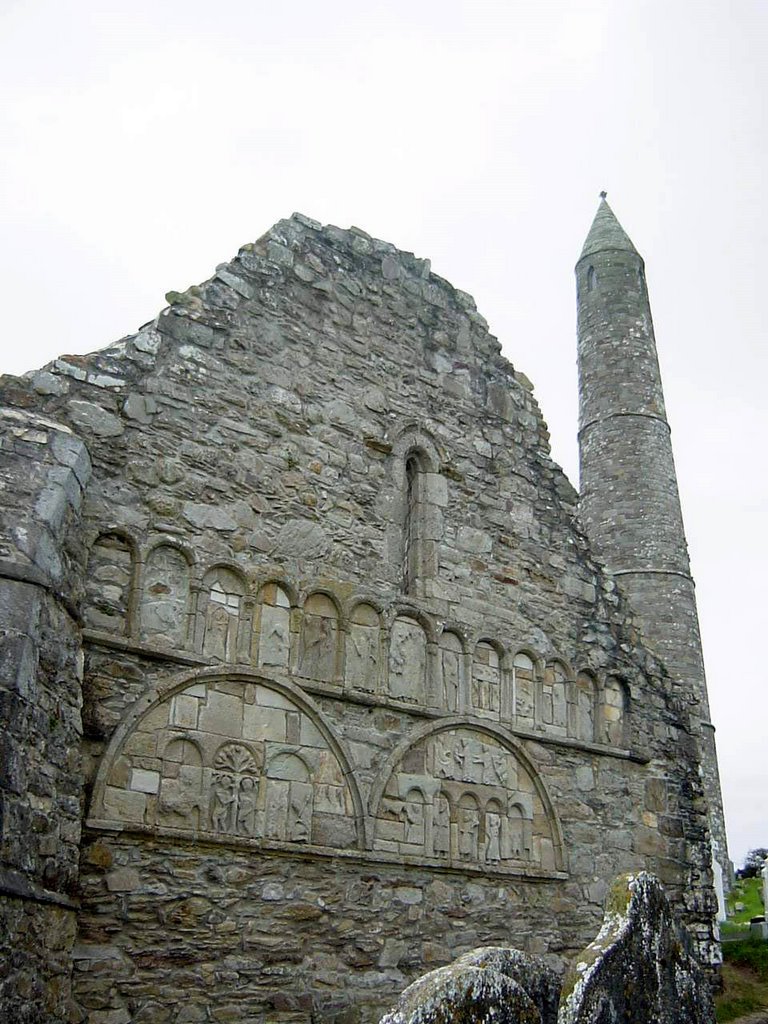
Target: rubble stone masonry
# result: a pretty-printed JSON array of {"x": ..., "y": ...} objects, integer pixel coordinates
[{"x": 357, "y": 696}]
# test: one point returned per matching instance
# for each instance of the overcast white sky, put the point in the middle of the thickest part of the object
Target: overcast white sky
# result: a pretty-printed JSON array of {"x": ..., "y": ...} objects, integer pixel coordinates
[{"x": 144, "y": 141}]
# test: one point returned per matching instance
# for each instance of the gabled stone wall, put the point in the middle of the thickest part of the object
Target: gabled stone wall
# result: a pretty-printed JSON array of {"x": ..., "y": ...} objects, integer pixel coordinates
[{"x": 357, "y": 697}]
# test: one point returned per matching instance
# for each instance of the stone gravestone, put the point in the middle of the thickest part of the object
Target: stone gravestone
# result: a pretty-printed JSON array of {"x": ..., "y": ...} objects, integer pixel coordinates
[
  {"x": 637, "y": 969},
  {"x": 493, "y": 983}
]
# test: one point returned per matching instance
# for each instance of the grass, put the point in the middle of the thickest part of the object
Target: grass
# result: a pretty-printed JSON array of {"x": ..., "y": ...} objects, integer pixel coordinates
[
  {"x": 745, "y": 979},
  {"x": 749, "y": 892}
]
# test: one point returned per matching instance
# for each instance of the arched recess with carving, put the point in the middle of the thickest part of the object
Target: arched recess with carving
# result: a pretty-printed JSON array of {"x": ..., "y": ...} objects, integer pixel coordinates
[
  {"x": 412, "y": 651},
  {"x": 524, "y": 687},
  {"x": 111, "y": 582},
  {"x": 585, "y": 707},
  {"x": 488, "y": 691},
  {"x": 555, "y": 697},
  {"x": 234, "y": 756},
  {"x": 452, "y": 646},
  {"x": 273, "y": 625},
  {"x": 320, "y": 637},
  {"x": 363, "y": 658},
  {"x": 485, "y": 806},
  {"x": 166, "y": 592},
  {"x": 223, "y": 614}
]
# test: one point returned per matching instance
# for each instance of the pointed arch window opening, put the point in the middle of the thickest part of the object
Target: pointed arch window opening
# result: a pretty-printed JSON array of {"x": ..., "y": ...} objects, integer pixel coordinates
[{"x": 591, "y": 279}]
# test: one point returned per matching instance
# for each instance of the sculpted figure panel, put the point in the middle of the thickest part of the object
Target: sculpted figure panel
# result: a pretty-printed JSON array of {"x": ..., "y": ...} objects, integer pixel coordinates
[
  {"x": 318, "y": 651},
  {"x": 452, "y": 665},
  {"x": 362, "y": 653},
  {"x": 554, "y": 698},
  {"x": 524, "y": 688},
  {"x": 233, "y": 758},
  {"x": 165, "y": 598},
  {"x": 274, "y": 627},
  {"x": 223, "y": 596},
  {"x": 486, "y": 678},
  {"x": 408, "y": 661},
  {"x": 585, "y": 707},
  {"x": 461, "y": 796}
]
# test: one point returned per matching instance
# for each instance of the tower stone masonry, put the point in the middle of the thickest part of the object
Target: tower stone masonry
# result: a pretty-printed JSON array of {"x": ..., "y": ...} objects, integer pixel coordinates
[
  {"x": 314, "y": 672},
  {"x": 629, "y": 501}
]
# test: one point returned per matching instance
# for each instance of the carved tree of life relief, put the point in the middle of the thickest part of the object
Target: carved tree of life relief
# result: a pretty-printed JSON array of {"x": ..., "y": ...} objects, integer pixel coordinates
[
  {"x": 234, "y": 758},
  {"x": 461, "y": 797}
]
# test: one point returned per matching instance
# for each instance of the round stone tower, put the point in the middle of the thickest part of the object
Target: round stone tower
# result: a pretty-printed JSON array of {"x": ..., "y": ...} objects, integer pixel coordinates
[{"x": 629, "y": 501}]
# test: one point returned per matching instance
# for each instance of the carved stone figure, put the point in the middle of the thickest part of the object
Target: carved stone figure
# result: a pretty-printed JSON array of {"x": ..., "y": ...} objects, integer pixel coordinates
[
  {"x": 408, "y": 661},
  {"x": 493, "y": 837},
  {"x": 275, "y": 630},
  {"x": 224, "y": 802},
  {"x": 299, "y": 824},
  {"x": 362, "y": 661},
  {"x": 554, "y": 699},
  {"x": 166, "y": 596},
  {"x": 276, "y": 813},
  {"x": 451, "y": 662},
  {"x": 412, "y": 814},
  {"x": 441, "y": 827},
  {"x": 234, "y": 790},
  {"x": 486, "y": 678},
  {"x": 524, "y": 691},
  {"x": 247, "y": 803},
  {"x": 516, "y": 832},
  {"x": 216, "y": 632},
  {"x": 468, "y": 829},
  {"x": 585, "y": 708},
  {"x": 319, "y": 638},
  {"x": 181, "y": 781}
]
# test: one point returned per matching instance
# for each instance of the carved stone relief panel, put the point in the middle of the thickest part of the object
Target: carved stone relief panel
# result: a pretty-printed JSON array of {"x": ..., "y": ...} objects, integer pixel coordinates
[
  {"x": 554, "y": 699},
  {"x": 274, "y": 627},
  {"x": 223, "y": 597},
  {"x": 362, "y": 651},
  {"x": 613, "y": 713},
  {"x": 525, "y": 692},
  {"x": 461, "y": 797},
  {"x": 108, "y": 584},
  {"x": 585, "y": 707},
  {"x": 181, "y": 784},
  {"x": 452, "y": 670},
  {"x": 486, "y": 678},
  {"x": 165, "y": 597},
  {"x": 234, "y": 759},
  {"x": 319, "y": 644},
  {"x": 408, "y": 661}
]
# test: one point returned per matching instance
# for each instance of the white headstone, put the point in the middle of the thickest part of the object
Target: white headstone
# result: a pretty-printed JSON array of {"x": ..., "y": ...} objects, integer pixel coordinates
[
  {"x": 765, "y": 886},
  {"x": 717, "y": 874}
]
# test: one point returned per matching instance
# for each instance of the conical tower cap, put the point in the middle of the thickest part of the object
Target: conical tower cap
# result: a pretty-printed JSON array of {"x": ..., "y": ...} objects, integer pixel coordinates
[{"x": 606, "y": 233}]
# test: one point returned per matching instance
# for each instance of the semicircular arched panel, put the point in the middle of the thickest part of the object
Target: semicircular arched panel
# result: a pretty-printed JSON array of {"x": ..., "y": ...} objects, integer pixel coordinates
[
  {"x": 480, "y": 805},
  {"x": 235, "y": 758}
]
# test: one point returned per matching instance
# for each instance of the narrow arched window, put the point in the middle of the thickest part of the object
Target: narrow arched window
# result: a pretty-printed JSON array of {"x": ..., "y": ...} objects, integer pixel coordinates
[
  {"x": 591, "y": 279},
  {"x": 412, "y": 527}
]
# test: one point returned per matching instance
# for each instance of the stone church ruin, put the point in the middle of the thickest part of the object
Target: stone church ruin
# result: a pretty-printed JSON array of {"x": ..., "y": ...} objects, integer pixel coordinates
[{"x": 316, "y": 672}]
